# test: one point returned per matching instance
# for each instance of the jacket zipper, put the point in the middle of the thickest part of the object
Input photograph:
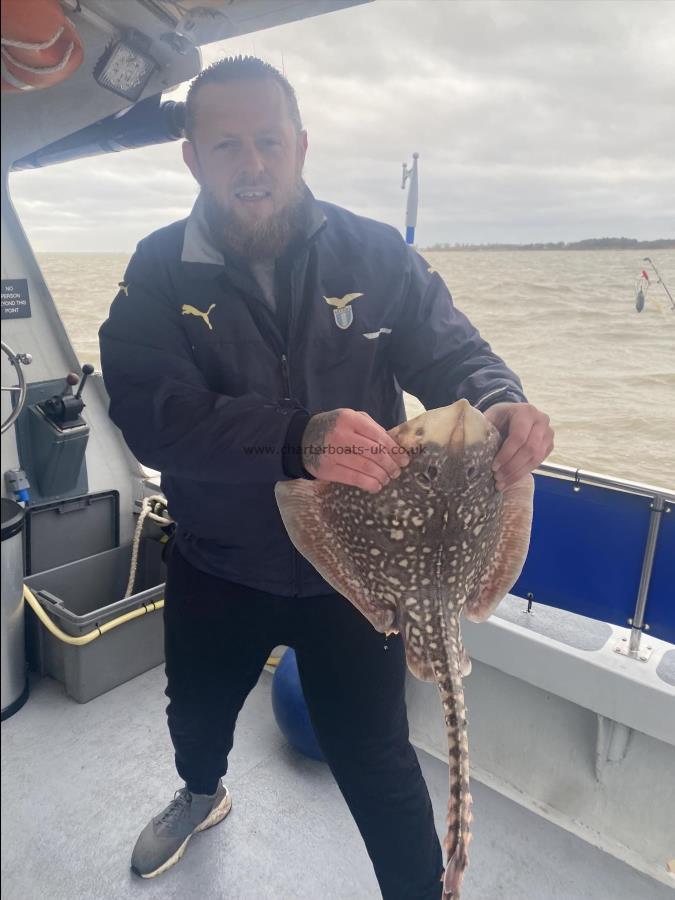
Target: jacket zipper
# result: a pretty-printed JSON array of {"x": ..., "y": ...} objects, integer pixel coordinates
[
  {"x": 285, "y": 371},
  {"x": 287, "y": 377},
  {"x": 289, "y": 335},
  {"x": 287, "y": 388}
]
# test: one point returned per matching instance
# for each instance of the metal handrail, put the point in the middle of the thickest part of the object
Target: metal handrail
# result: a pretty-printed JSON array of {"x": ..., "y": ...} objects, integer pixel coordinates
[
  {"x": 660, "y": 497},
  {"x": 580, "y": 476}
]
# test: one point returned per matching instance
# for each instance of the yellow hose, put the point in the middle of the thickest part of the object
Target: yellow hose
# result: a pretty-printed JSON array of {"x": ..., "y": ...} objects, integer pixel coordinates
[
  {"x": 90, "y": 636},
  {"x": 100, "y": 630}
]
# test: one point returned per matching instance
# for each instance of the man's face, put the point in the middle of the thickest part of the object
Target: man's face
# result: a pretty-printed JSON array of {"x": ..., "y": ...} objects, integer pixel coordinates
[{"x": 247, "y": 156}]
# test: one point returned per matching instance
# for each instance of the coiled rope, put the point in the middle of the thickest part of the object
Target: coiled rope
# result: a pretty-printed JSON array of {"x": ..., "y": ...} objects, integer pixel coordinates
[{"x": 155, "y": 509}]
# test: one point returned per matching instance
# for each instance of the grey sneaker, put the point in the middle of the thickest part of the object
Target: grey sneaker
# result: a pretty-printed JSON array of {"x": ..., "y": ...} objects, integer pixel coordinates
[{"x": 164, "y": 839}]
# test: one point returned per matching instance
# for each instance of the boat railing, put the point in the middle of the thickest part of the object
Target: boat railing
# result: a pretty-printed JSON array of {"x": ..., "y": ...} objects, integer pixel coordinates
[{"x": 603, "y": 547}]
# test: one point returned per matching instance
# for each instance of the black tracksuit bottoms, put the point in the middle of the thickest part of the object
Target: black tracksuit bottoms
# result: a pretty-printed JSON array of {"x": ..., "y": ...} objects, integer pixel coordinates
[{"x": 218, "y": 636}]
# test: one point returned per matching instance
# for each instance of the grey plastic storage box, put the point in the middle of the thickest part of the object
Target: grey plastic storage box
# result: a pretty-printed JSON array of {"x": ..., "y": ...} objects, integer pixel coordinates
[
  {"x": 64, "y": 531},
  {"x": 86, "y": 593}
]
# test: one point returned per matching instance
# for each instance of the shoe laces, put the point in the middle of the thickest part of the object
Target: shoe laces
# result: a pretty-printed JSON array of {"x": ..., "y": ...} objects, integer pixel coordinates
[{"x": 175, "y": 810}]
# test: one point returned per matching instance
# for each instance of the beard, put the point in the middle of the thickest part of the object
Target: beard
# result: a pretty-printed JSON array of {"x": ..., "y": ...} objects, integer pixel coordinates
[{"x": 256, "y": 240}]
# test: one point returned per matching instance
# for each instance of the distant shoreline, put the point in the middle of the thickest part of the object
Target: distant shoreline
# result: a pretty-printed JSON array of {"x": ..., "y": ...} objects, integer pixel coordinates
[{"x": 590, "y": 244}]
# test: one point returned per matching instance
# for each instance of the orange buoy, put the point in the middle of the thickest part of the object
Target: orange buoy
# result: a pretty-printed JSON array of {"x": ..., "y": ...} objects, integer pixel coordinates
[{"x": 40, "y": 46}]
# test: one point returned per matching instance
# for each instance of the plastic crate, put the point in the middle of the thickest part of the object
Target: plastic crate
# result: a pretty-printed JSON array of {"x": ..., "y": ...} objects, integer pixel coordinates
[{"x": 87, "y": 593}]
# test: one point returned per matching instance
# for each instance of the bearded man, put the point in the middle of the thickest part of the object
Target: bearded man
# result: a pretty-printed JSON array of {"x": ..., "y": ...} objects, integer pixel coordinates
[{"x": 269, "y": 336}]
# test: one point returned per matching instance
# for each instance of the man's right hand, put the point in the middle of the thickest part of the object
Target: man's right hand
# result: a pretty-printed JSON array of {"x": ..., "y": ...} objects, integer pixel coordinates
[{"x": 349, "y": 447}]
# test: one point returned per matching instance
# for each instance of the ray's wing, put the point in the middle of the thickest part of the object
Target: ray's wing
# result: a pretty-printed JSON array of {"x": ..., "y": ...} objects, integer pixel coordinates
[
  {"x": 508, "y": 558},
  {"x": 303, "y": 506}
]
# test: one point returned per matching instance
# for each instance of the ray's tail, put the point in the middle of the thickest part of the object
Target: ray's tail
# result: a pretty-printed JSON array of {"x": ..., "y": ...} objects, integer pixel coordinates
[{"x": 449, "y": 678}]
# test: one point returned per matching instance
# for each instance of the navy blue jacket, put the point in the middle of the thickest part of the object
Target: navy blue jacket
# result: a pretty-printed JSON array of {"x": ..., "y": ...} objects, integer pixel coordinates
[{"x": 214, "y": 390}]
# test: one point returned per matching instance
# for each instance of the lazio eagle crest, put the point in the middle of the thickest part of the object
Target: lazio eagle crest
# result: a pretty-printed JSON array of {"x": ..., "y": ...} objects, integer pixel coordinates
[{"x": 343, "y": 313}]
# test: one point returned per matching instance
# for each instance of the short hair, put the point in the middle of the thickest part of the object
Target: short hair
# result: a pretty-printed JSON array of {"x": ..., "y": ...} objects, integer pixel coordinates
[{"x": 238, "y": 68}]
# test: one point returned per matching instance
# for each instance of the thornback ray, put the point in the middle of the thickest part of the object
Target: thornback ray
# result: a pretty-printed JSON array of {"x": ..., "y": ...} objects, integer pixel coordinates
[{"x": 437, "y": 540}]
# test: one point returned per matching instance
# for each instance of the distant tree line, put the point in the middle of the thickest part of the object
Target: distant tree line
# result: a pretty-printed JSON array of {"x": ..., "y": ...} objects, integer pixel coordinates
[{"x": 607, "y": 243}]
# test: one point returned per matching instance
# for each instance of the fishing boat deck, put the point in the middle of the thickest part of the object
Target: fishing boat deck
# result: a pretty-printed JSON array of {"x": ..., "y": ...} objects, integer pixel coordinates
[{"x": 80, "y": 781}]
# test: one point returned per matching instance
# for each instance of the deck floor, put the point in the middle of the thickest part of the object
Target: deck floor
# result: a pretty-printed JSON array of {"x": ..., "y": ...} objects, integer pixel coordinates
[{"x": 79, "y": 782}]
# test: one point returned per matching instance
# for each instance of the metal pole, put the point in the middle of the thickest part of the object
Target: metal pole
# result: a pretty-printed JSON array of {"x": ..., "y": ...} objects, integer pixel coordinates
[
  {"x": 638, "y": 621},
  {"x": 413, "y": 199}
]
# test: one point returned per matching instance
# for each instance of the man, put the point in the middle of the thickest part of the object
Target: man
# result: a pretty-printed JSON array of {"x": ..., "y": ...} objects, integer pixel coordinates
[{"x": 257, "y": 341}]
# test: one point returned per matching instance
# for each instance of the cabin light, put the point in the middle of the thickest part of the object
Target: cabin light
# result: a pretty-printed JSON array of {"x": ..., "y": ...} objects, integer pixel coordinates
[{"x": 124, "y": 69}]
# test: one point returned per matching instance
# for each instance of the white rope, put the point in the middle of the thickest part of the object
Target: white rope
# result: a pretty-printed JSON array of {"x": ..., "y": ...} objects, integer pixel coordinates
[
  {"x": 23, "y": 45},
  {"x": 148, "y": 511},
  {"x": 39, "y": 70}
]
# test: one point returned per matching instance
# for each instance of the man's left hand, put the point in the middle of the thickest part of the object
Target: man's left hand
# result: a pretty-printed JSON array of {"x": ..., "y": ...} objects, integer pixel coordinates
[{"x": 528, "y": 440}]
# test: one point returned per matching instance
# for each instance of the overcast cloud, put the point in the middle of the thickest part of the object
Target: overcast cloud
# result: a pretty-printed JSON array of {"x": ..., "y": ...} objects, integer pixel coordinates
[{"x": 535, "y": 120}]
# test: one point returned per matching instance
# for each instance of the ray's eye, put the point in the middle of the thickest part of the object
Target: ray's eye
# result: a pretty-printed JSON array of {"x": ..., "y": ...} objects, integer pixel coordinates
[
  {"x": 472, "y": 473},
  {"x": 432, "y": 472}
]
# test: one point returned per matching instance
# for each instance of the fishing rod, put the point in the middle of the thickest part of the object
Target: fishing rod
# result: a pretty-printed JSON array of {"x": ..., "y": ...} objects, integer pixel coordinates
[{"x": 643, "y": 284}]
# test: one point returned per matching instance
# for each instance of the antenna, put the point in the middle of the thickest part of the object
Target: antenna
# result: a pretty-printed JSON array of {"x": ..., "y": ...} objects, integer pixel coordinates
[{"x": 410, "y": 174}]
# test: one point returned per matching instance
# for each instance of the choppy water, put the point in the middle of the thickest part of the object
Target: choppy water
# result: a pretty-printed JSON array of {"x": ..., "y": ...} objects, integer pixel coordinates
[{"x": 563, "y": 320}]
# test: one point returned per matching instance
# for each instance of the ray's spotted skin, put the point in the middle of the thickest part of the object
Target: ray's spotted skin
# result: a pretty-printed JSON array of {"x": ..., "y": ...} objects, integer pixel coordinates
[{"x": 436, "y": 541}]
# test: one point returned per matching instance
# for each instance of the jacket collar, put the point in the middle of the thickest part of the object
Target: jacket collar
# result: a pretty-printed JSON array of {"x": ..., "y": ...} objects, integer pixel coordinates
[{"x": 198, "y": 246}]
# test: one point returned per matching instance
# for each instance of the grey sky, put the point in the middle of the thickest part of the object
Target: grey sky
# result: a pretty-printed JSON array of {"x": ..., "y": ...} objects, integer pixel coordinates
[{"x": 534, "y": 120}]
